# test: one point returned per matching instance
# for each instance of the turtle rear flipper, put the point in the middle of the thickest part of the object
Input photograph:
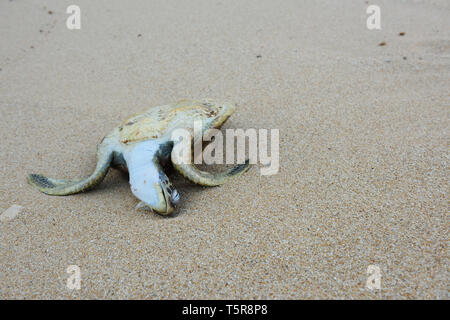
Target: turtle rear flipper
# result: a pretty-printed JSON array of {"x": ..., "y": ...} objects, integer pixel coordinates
[{"x": 61, "y": 187}]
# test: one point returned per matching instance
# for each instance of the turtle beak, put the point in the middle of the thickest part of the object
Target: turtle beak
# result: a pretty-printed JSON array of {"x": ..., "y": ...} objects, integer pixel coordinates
[
  {"x": 166, "y": 200},
  {"x": 171, "y": 198}
]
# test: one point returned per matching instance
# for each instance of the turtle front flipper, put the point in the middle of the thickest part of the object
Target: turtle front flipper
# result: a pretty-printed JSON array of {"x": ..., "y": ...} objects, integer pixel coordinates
[
  {"x": 192, "y": 173},
  {"x": 61, "y": 187}
]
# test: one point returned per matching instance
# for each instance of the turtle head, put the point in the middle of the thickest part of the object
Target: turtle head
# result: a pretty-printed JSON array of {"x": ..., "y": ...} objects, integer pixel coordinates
[
  {"x": 159, "y": 196},
  {"x": 148, "y": 181}
]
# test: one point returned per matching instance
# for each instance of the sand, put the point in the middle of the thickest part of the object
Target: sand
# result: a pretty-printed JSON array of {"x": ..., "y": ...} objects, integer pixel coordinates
[{"x": 364, "y": 144}]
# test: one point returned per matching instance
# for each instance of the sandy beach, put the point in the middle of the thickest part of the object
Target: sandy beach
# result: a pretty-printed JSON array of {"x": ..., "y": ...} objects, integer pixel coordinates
[{"x": 364, "y": 149}]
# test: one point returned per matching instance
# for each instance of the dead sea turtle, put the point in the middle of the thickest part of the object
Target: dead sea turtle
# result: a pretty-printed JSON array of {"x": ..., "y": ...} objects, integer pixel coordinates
[{"x": 141, "y": 145}]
